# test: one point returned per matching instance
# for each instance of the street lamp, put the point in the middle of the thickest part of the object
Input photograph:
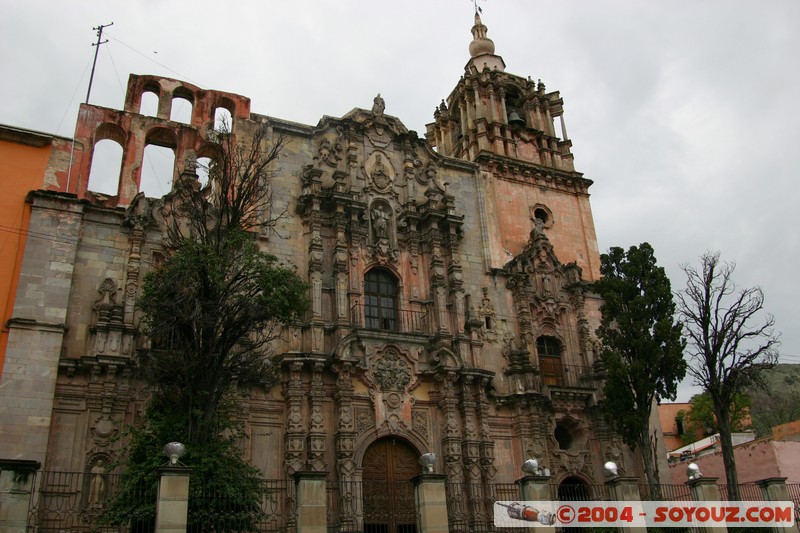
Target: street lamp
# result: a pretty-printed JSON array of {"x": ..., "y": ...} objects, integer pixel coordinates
[
  {"x": 174, "y": 450},
  {"x": 427, "y": 461}
]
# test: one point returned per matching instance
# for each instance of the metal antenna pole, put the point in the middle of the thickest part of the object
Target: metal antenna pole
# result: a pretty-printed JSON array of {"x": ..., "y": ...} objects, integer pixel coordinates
[{"x": 99, "y": 30}]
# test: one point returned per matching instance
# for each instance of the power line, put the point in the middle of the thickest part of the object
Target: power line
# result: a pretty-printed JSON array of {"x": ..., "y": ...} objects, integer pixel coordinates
[
  {"x": 178, "y": 74},
  {"x": 96, "y": 50}
]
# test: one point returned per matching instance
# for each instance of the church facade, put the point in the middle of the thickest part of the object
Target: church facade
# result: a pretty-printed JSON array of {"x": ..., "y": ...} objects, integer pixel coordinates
[{"x": 449, "y": 286}]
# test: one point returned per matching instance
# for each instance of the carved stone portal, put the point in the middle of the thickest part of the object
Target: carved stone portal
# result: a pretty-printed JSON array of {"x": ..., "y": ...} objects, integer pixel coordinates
[{"x": 392, "y": 375}]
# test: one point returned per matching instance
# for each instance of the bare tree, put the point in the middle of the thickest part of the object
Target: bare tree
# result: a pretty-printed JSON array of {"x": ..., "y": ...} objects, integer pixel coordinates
[{"x": 728, "y": 341}]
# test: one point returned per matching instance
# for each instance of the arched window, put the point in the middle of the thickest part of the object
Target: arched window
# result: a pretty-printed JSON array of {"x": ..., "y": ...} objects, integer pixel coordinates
[
  {"x": 549, "y": 351},
  {"x": 380, "y": 300}
]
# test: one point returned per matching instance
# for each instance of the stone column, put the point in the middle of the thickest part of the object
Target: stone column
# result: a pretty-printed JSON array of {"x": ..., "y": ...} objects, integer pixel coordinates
[
  {"x": 312, "y": 504},
  {"x": 431, "y": 502},
  {"x": 172, "y": 507},
  {"x": 16, "y": 490},
  {"x": 774, "y": 489},
  {"x": 705, "y": 489},
  {"x": 626, "y": 489}
]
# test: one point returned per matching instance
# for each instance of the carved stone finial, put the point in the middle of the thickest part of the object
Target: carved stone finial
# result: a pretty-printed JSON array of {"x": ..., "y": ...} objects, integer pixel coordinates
[{"x": 480, "y": 44}]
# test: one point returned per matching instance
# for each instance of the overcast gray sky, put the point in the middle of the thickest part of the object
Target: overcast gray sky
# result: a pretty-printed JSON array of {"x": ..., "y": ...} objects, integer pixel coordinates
[{"x": 683, "y": 112}]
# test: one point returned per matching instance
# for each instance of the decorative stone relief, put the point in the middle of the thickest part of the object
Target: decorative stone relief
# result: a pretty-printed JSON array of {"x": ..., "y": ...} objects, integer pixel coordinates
[
  {"x": 391, "y": 373},
  {"x": 365, "y": 419},
  {"x": 328, "y": 154},
  {"x": 420, "y": 422},
  {"x": 392, "y": 377},
  {"x": 490, "y": 328},
  {"x": 379, "y": 171}
]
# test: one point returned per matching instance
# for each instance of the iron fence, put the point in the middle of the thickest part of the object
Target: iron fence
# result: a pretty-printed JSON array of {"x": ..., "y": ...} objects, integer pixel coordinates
[
  {"x": 79, "y": 501},
  {"x": 470, "y": 506},
  {"x": 669, "y": 492},
  {"x": 393, "y": 320},
  {"x": 747, "y": 492},
  {"x": 269, "y": 505},
  {"x": 794, "y": 495},
  {"x": 572, "y": 376}
]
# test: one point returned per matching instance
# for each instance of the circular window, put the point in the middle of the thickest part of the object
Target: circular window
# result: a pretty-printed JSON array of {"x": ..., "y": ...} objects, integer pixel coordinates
[
  {"x": 543, "y": 213},
  {"x": 569, "y": 435}
]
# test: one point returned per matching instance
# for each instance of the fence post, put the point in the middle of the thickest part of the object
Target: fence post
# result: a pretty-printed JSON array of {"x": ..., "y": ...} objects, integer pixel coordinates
[
  {"x": 705, "y": 489},
  {"x": 172, "y": 508},
  {"x": 16, "y": 490},
  {"x": 536, "y": 489},
  {"x": 312, "y": 501},
  {"x": 626, "y": 489},
  {"x": 774, "y": 490},
  {"x": 431, "y": 502}
]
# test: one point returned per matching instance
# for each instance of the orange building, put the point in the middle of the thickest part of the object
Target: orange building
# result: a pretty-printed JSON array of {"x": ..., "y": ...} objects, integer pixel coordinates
[
  {"x": 26, "y": 157},
  {"x": 670, "y": 415}
]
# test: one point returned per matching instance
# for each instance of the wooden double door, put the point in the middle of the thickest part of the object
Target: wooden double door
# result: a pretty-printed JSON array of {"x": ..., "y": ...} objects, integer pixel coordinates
[{"x": 388, "y": 494}]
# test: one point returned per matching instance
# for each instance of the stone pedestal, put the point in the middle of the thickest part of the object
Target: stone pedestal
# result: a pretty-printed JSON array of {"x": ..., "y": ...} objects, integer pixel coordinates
[
  {"x": 774, "y": 490},
  {"x": 312, "y": 503},
  {"x": 626, "y": 489},
  {"x": 535, "y": 489},
  {"x": 431, "y": 502},
  {"x": 16, "y": 490},
  {"x": 172, "y": 508},
  {"x": 705, "y": 489}
]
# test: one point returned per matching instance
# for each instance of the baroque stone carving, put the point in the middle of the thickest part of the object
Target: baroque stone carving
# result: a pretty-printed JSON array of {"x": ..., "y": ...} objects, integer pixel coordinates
[
  {"x": 365, "y": 419},
  {"x": 419, "y": 422},
  {"x": 380, "y": 171},
  {"x": 391, "y": 372}
]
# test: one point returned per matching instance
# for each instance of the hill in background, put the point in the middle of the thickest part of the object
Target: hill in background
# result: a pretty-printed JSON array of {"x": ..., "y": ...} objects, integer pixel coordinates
[{"x": 779, "y": 401}]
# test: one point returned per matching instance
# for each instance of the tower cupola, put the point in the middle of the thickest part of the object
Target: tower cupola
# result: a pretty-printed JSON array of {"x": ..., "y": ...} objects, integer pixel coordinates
[{"x": 481, "y": 49}]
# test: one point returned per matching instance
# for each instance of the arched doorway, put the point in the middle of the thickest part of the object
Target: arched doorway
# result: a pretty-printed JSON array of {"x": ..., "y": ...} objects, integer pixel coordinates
[
  {"x": 387, "y": 468},
  {"x": 573, "y": 489}
]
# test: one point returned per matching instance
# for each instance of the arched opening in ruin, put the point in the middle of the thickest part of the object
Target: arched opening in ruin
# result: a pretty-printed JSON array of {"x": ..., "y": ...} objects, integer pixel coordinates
[
  {"x": 106, "y": 167},
  {"x": 149, "y": 104},
  {"x": 181, "y": 110},
  {"x": 223, "y": 120}
]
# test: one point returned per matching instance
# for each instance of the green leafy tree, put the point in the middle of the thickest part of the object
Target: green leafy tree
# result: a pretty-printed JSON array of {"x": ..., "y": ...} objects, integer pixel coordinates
[
  {"x": 212, "y": 311},
  {"x": 700, "y": 421},
  {"x": 642, "y": 349},
  {"x": 729, "y": 343}
]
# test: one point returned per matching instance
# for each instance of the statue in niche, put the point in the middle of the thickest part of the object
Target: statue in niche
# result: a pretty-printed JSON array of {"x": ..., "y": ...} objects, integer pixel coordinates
[
  {"x": 538, "y": 226},
  {"x": 378, "y": 105},
  {"x": 380, "y": 223},
  {"x": 97, "y": 485}
]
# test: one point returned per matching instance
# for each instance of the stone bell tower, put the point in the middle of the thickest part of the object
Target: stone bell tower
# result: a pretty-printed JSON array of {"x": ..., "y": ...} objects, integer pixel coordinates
[{"x": 514, "y": 129}]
